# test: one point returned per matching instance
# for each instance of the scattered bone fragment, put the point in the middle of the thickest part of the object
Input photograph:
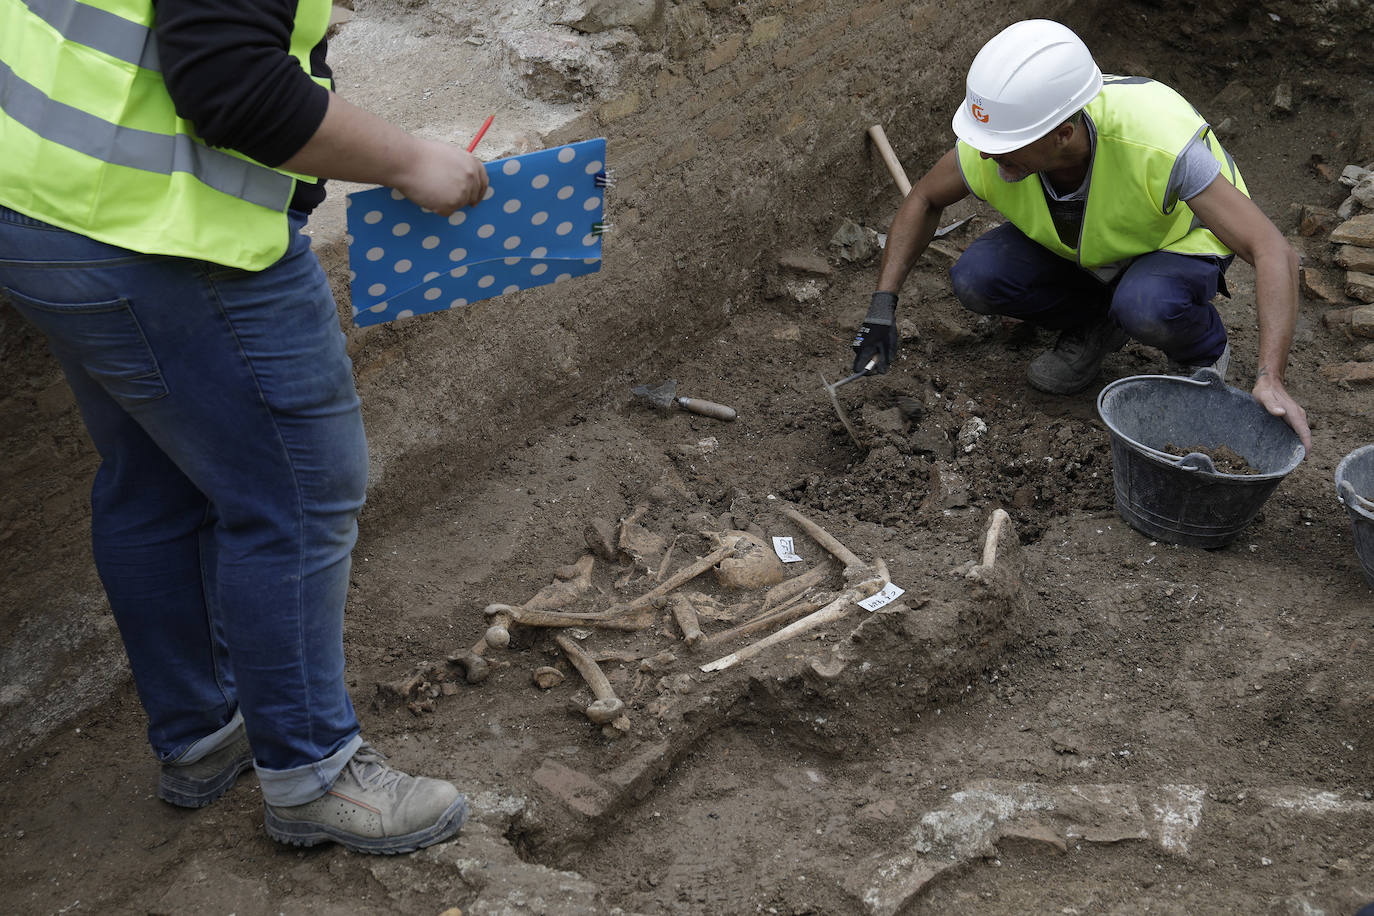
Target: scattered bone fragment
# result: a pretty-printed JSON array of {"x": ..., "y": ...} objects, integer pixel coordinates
[
  {"x": 656, "y": 663},
  {"x": 607, "y": 708},
  {"x": 475, "y": 667},
  {"x": 754, "y": 564},
  {"x": 833, "y": 611},
  {"x": 420, "y": 685},
  {"x": 547, "y": 676},
  {"x": 686, "y": 616},
  {"x": 572, "y": 583}
]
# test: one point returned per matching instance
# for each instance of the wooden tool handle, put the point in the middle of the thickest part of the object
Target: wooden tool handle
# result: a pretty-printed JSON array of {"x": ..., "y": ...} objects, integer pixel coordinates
[
  {"x": 894, "y": 165},
  {"x": 707, "y": 408}
]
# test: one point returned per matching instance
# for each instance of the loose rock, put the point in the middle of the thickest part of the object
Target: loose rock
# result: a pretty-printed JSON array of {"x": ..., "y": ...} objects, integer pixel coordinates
[
  {"x": 1355, "y": 257},
  {"x": 1360, "y": 285},
  {"x": 855, "y": 243},
  {"x": 1349, "y": 373},
  {"x": 1358, "y": 230}
]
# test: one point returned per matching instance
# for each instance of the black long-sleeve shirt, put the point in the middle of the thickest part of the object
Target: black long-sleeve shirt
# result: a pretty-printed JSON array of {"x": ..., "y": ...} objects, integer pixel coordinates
[{"x": 228, "y": 67}]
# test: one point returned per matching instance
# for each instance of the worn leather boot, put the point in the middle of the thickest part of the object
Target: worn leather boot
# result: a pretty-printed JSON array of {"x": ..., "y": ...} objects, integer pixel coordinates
[
  {"x": 1076, "y": 359},
  {"x": 195, "y": 785},
  {"x": 372, "y": 807}
]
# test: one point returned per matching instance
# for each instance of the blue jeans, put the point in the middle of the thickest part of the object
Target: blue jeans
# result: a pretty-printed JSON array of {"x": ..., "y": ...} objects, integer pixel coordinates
[
  {"x": 233, "y": 467},
  {"x": 1163, "y": 300}
]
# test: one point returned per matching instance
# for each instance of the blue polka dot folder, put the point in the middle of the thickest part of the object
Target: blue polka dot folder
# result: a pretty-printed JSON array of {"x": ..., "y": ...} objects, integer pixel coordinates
[{"x": 540, "y": 222}]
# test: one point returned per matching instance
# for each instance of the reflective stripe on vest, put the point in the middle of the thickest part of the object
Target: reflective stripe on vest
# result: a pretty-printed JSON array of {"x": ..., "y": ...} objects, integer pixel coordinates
[
  {"x": 1142, "y": 128},
  {"x": 90, "y": 140},
  {"x": 141, "y": 149},
  {"x": 111, "y": 34}
]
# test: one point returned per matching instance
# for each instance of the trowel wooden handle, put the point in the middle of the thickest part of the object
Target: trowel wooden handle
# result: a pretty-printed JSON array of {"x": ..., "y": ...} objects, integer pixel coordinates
[
  {"x": 890, "y": 158},
  {"x": 707, "y": 408}
]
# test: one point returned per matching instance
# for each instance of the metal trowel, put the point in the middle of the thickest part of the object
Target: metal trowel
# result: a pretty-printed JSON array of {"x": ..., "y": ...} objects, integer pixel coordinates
[{"x": 664, "y": 396}]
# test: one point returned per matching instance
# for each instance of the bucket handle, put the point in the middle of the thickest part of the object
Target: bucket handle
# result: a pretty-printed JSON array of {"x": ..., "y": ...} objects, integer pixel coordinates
[
  {"x": 1209, "y": 377},
  {"x": 1197, "y": 461},
  {"x": 1353, "y": 499}
]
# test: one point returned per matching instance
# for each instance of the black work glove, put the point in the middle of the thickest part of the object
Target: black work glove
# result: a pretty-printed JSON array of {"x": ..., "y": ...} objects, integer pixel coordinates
[{"x": 877, "y": 337}]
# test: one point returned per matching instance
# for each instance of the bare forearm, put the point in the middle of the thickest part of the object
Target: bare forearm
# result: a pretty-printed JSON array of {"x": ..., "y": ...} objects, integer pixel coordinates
[
  {"x": 916, "y": 220},
  {"x": 1276, "y": 301},
  {"x": 908, "y": 237},
  {"x": 353, "y": 145}
]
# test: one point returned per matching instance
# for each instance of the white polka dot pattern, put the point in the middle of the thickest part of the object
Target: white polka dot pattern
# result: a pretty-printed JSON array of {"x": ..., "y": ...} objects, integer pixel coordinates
[{"x": 534, "y": 225}]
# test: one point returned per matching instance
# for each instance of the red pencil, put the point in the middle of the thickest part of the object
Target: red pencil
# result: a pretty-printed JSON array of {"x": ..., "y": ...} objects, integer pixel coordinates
[{"x": 477, "y": 139}]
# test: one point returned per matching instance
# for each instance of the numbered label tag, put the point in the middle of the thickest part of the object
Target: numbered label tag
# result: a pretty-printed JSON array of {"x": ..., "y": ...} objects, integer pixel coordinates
[
  {"x": 783, "y": 548},
  {"x": 889, "y": 594}
]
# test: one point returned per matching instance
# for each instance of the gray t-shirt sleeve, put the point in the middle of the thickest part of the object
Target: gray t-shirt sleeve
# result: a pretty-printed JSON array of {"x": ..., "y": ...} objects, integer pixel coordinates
[{"x": 1195, "y": 169}]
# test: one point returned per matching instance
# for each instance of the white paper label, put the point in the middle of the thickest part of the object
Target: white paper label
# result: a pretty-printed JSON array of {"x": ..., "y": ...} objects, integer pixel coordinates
[
  {"x": 783, "y": 548},
  {"x": 889, "y": 594}
]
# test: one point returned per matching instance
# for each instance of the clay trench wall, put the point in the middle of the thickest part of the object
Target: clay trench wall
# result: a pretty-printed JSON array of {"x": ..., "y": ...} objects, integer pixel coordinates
[{"x": 739, "y": 134}]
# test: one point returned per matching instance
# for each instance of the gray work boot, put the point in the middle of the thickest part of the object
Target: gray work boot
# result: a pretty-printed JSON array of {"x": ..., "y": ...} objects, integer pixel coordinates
[
  {"x": 1223, "y": 361},
  {"x": 373, "y": 808},
  {"x": 1076, "y": 359},
  {"x": 195, "y": 785}
]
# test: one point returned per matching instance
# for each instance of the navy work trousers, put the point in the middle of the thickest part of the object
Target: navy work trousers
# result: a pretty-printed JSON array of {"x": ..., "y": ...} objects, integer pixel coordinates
[{"x": 1161, "y": 299}]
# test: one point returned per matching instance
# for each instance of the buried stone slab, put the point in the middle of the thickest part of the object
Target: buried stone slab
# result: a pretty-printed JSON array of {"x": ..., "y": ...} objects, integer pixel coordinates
[
  {"x": 991, "y": 814},
  {"x": 976, "y": 819}
]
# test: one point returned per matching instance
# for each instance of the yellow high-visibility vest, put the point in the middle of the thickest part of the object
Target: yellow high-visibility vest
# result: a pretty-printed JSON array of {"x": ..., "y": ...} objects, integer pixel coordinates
[
  {"x": 1142, "y": 128},
  {"x": 90, "y": 140}
]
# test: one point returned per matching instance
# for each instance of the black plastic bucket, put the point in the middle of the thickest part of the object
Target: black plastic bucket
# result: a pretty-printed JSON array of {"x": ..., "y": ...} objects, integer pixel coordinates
[
  {"x": 1187, "y": 500},
  {"x": 1355, "y": 487}
]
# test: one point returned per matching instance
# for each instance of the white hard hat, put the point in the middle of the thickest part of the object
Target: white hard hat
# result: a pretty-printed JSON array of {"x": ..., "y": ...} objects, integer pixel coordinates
[{"x": 1024, "y": 83}]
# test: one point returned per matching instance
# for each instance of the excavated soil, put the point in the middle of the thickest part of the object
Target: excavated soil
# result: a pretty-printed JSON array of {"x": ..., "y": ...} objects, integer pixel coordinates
[{"x": 1099, "y": 723}]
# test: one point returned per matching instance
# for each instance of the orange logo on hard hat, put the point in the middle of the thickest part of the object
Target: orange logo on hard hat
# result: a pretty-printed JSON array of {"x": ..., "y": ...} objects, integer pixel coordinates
[{"x": 979, "y": 114}]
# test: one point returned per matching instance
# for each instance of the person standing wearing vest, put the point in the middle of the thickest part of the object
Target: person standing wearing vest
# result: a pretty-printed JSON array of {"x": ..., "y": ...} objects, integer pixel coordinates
[
  {"x": 158, "y": 162},
  {"x": 1123, "y": 213}
]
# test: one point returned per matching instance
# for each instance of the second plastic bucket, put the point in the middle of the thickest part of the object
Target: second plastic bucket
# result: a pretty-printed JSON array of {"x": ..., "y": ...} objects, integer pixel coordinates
[
  {"x": 1355, "y": 486},
  {"x": 1186, "y": 500}
]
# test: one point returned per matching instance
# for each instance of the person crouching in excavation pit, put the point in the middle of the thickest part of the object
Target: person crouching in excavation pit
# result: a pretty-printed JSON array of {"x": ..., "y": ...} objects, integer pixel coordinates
[{"x": 1123, "y": 213}]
